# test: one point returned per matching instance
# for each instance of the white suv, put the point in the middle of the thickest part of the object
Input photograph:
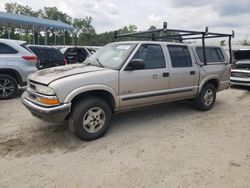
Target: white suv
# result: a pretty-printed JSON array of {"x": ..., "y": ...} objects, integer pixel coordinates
[{"x": 16, "y": 63}]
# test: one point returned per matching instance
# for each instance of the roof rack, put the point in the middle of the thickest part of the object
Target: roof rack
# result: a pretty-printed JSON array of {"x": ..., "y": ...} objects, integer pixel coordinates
[{"x": 181, "y": 35}]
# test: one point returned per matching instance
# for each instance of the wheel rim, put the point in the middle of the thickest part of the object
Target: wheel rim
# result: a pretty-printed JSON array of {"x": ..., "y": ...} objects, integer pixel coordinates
[
  {"x": 208, "y": 97},
  {"x": 7, "y": 87},
  {"x": 94, "y": 120}
]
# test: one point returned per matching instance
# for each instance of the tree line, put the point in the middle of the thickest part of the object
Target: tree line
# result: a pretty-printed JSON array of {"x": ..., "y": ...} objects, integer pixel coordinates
[{"x": 84, "y": 32}]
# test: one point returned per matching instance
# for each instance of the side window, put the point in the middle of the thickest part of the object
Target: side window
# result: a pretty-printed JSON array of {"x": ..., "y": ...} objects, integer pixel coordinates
[
  {"x": 180, "y": 56},
  {"x": 54, "y": 54},
  {"x": 212, "y": 54},
  {"x": 5, "y": 49},
  {"x": 152, "y": 55},
  {"x": 39, "y": 52}
]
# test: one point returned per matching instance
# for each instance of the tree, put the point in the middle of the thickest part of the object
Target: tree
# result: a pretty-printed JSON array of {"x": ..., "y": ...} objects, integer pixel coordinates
[
  {"x": 245, "y": 42},
  {"x": 84, "y": 30},
  {"x": 54, "y": 14},
  {"x": 20, "y": 9},
  {"x": 222, "y": 43},
  {"x": 152, "y": 28},
  {"x": 128, "y": 29}
]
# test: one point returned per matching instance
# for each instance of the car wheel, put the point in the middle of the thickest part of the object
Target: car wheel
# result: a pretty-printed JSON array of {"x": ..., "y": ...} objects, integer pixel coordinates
[
  {"x": 206, "y": 99},
  {"x": 90, "y": 118},
  {"x": 8, "y": 86}
]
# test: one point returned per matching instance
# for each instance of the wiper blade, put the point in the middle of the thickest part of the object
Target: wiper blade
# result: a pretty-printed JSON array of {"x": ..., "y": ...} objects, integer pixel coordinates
[
  {"x": 87, "y": 63},
  {"x": 99, "y": 62}
]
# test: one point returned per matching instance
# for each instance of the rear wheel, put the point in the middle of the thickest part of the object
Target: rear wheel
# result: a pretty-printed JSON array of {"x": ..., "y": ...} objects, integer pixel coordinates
[
  {"x": 206, "y": 99},
  {"x": 90, "y": 118},
  {"x": 8, "y": 86}
]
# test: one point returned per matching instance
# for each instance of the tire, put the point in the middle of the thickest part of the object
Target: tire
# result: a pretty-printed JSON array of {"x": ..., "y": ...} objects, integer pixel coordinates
[
  {"x": 206, "y": 99},
  {"x": 8, "y": 86},
  {"x": 90, "y": 118}
]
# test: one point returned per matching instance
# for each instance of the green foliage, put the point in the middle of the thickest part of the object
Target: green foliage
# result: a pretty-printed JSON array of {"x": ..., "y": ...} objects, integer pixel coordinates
[
  {"x": 20, "y": 9},
  {"x": 222, "y": 43},
  {"x": 54, "y": 14},
  {"x": 152, "y": 28},
  {"x": 84, "y": 32}
]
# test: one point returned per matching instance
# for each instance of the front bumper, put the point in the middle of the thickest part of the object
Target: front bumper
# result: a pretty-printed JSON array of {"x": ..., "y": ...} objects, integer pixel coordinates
[
  {"x": 240, "y": 81},
  {"x": 51, "y": 114}
]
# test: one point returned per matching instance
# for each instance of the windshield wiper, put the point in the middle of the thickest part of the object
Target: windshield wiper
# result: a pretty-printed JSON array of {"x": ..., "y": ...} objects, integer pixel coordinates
[
  {"x": 88, "y": 63},
  {"x": 98, "y": 61}
]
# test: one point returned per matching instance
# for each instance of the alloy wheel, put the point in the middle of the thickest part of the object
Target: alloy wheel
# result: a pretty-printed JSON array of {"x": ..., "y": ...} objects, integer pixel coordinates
[
  {"x": 94, "y": 120},
  {"x": 7, "y": 87},
  {"x": 208, "y": 97}
]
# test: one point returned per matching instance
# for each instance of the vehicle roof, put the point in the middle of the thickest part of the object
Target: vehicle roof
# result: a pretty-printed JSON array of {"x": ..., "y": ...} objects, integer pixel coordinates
[
  {"x": 77, "y": 46},
  {"x": 12, "y": 41},
  {"x": 163, "y": 42},
  {"x": 17, "y": 45},
  {"x": 42, "y": 46}
]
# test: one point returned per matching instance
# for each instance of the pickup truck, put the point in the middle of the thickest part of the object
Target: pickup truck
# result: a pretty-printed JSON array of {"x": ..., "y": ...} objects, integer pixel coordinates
[
  {"x": 123, "y": 76},
  {"x": 240, "y": 74}
]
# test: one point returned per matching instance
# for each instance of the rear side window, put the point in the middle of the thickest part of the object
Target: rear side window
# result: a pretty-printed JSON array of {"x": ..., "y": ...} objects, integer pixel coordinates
[
  {"x": 242, "y": 54},
  {"x": 180, "y": 56},
  {"x": 54, "y": 54},
  {"x": 5, "y": 49},
  {"x": 152, "y": 55},
  {"x": 212, "y": 54},
  {"x": 25, "y": 47},
  {"x": 40, "y": 52}
]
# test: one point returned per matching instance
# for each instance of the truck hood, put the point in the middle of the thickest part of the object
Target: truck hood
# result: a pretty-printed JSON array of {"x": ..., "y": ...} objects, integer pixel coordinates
[
  {"x": 47, "y": 76},
  {"x": 243, "y": 64}
]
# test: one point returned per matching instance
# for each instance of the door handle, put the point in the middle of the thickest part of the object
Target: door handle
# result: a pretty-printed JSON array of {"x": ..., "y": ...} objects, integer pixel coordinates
[
  {"x": 165, "y": 74},
  {"x": 192, "y": 72}
]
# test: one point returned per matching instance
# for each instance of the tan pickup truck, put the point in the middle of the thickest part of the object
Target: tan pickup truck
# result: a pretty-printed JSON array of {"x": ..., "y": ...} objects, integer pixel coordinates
[{"x": 123, "y": 76}]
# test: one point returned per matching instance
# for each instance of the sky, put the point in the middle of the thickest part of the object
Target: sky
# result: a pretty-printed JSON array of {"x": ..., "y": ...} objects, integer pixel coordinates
[{"x": 109, "y": 15}]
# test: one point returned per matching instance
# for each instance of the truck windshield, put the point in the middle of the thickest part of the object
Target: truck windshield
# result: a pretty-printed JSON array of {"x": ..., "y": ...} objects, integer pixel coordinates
[{"x": 112, "y": 55}]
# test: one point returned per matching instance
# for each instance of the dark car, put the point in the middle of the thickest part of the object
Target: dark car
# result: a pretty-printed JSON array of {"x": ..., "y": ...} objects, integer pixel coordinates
[
  {"x": 48, "y": 56},
  {"x": 78, "y": 54}
]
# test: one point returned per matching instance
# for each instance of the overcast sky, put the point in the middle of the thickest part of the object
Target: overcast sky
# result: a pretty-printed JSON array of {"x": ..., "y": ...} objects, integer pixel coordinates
[{"x": 218, "y": 15}]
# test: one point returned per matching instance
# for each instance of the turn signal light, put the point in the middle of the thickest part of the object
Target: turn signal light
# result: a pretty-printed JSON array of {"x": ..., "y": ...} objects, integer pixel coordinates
[{"x": 48, "y": 101}]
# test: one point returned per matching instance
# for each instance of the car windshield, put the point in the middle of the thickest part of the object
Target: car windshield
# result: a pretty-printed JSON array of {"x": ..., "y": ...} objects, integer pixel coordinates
[{"x": 112, "y": 55}]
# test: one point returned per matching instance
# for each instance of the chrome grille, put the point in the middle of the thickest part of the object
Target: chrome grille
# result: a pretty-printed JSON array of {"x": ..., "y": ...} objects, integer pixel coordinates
[{"x": 240, "y": 74}]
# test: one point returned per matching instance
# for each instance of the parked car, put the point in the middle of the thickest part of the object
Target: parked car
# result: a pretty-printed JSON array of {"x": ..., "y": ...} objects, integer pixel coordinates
[
  {"x": 123, "y": 76},
  {"x": 240, "y": 74},
  {"x": 77, "y": 54},
  {"x": 48, "y": 56},
  {"x": 16, "y": 63}
]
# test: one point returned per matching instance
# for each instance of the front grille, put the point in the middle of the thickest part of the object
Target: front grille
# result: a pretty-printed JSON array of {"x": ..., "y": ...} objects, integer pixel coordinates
[
  {"x": 32, "y": 86},
  {"x": 237, "y": 81},
  {"x": 240, "y": 74}
]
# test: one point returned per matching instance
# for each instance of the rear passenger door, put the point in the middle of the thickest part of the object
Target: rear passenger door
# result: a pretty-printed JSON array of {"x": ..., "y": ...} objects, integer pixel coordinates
[{"x": 184, "y": 74}]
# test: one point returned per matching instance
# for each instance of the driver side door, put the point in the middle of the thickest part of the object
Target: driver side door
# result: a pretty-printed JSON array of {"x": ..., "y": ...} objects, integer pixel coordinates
[{"x": 148, "y": 85}]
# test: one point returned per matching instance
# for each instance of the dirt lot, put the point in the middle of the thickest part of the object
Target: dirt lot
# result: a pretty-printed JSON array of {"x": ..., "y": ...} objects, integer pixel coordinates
[{"x": 170, "y": 145}]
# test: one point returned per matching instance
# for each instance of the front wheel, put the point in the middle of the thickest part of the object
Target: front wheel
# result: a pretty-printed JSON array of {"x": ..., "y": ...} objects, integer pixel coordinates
[
  {"x": 90, "y": 118},
  {"x": 8, "y": 86},
  {"x": 206, "y": 99}
]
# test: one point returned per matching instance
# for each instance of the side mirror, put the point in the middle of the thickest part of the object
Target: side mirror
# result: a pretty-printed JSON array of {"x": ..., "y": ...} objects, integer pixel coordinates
[{"x": 136, "y": 64}]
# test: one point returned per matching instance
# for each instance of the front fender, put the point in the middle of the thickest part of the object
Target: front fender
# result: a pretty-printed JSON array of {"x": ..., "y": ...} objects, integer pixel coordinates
[{"x": 87, "y": 88}]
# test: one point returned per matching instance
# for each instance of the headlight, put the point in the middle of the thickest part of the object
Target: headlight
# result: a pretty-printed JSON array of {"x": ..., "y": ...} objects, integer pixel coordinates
[{"x": 44, "y": 90}]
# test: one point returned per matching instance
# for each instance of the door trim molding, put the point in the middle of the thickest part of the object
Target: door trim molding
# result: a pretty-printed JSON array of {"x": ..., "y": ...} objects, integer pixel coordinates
[{"x": 146, "y": 95}]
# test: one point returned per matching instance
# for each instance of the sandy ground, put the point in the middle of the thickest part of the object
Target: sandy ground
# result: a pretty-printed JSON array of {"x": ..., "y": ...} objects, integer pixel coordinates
[{"x": 170, "y": 145}]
